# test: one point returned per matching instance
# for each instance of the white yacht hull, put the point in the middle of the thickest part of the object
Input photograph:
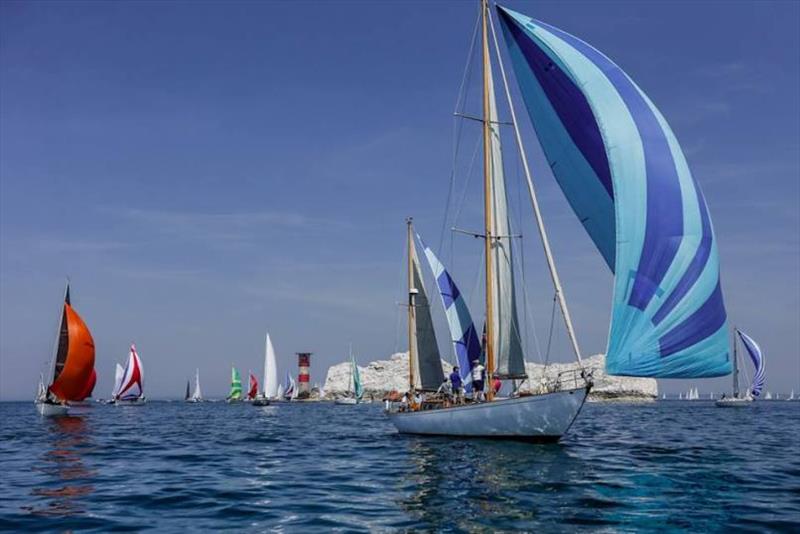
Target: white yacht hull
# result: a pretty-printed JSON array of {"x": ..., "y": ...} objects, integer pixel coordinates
[
  {"x": 734, "y": 402},
  {"x": 538, "y": 418},
  {"x": 47, "y": 409},
  {"x": 346, "y": 400},
  {"x": 129, "y": 402}
]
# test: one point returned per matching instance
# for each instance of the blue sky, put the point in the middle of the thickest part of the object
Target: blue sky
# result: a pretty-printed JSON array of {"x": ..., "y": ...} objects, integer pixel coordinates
[{"x": 205, "y": 171}]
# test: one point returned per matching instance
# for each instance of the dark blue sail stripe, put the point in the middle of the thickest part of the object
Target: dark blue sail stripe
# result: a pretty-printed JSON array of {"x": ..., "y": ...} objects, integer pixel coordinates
[
  {"x": 448, "y": 289},
  {"x": 695, "y": 269},
  {"x": 568, "y": 101},
  {"x": 664, "y": 226},
  {"x": 704, "y": 322}
]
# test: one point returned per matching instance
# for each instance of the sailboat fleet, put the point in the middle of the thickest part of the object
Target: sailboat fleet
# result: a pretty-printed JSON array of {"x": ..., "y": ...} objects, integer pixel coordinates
[{"x": 624, "y": 174}]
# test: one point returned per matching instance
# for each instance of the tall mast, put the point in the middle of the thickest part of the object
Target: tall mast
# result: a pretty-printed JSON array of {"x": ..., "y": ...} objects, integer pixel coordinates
[
  {"x": 735, "y": 366},
  {"x": 487, "y": 199},
  {"x": 551, "y": 264},
  {"x": 412, "y": 315}
]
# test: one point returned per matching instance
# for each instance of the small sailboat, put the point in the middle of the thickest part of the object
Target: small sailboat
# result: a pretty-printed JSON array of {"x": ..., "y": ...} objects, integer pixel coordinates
[
  {"x": 236, "y": 386},
  {"x": 756, "y": 356},
  {"x": 72, "y": 375},
  {"x": 290, "y": 389},
  {"x": 196, "y": 396},
  {"x": 354, "y": 389},
  {"x": 279, "y": 395},
  {"x": 131, "y": 389},
  {"x": 791, "y": 396},
  {"x": 768, "y": 396},
  {"x": 270, "y": 375},
  {"x": 252, "y": 392}
]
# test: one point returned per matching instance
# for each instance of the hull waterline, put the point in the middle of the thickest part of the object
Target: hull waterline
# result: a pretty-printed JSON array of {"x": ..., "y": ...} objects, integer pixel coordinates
[
  {"x": 536, "y": 418},
  {"x": 47, "y": 409}
]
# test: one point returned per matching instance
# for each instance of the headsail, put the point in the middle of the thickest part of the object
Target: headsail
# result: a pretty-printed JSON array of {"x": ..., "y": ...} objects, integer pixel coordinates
[
  {"x": 197, "y": 395},
  {"x": 757, "y": 357},
  {"x": 507, "y": 339},
  {"x": 253, "y": 391},
  {"x": 74, "y": 363},
  {"x": 428, "y": 364},
  {"x": 462, "y": 330},
  {"x": 236, "y": 385},
  {"x": 289, "y": 390},
  {"x": 358, "y": 390},
  {"x": 118, "y": 376},
  {"x": 270, "y": 371},
  {"x": 625, "y": 176},
  {"x": 187, "y": 396},
  {"x": 132, "y": 378}
]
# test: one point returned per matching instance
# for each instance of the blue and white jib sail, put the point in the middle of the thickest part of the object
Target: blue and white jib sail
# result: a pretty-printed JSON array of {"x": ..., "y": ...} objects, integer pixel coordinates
[
  {"x": 758, "y": 362},
  {"x": 462, "y": 330},
  {"x": 625, "y": 176}
]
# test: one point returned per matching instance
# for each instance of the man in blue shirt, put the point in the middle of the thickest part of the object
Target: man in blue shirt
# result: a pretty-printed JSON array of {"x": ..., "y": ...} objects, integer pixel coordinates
[{"x": 455, "y": 381}]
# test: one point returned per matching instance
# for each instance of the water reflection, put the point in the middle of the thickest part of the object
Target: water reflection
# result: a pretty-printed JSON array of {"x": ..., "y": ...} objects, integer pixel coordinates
[
  {"x": 469, "y": 484},
  {"x": 62, "y": 462}
]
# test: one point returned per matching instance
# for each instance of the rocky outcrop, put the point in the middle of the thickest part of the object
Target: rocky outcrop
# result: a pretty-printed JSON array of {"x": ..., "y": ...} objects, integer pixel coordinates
[{"x": 382, "y": 376}]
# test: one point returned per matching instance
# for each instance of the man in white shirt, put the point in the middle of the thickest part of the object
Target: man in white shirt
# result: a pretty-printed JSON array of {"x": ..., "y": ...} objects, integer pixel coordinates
[{"x": 477, "y": 380}]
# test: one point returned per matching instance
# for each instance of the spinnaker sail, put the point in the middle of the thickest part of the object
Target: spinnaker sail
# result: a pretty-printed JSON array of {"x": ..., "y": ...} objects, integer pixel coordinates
[
  {"x": 74, "y": 361},
  {"x": 236, "y": 385},
  {"x": 625, "y": 176},
  {"x": 253, "y": 391},
  {"x": 465, "y": 340},
  {"x": 358, "y": 389},
  {"x": 757, "y": 357},
  {"x": 132, "y": 378}
]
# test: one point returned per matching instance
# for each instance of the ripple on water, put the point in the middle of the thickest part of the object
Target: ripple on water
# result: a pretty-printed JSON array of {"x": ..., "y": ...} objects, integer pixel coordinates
[{"x": 320, "y": 467}]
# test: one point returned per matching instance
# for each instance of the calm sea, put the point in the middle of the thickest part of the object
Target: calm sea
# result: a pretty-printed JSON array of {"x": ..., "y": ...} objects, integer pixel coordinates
[{"x": 173, "y": 467}]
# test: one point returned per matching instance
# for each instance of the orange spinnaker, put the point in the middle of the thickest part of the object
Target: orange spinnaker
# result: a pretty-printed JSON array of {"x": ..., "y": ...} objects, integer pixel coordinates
[
  {"x": 87, "y": 391},
  {"x": 79, "y": 364}
]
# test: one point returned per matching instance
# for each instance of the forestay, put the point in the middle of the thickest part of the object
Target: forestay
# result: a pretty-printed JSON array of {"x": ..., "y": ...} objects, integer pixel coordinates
[{"x": 625, "y": 176}]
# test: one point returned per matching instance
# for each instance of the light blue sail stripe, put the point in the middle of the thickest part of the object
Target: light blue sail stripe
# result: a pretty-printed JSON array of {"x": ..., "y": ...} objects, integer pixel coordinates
[
  {"x": 668, "y": 317},
  {"x": 462, "y": 329}
]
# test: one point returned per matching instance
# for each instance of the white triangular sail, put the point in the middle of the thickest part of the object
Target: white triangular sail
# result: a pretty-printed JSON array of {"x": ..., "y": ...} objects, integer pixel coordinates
[
  {"x": 197, "y": 395},
  {"x": 507, "y": 340},
  {"x": 280, "y": 391},
  {"x": 270, "y": 371},
  {"x": 119, "y": 374}
]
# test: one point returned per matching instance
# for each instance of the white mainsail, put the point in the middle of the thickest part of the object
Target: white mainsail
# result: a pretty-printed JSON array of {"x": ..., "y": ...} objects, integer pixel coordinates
[
  {"x": 507, "y": 340},
  {"x": 119, "y": 374},
  {"x": 197, "y": 395},
  {"x": 270, "y": 371}
]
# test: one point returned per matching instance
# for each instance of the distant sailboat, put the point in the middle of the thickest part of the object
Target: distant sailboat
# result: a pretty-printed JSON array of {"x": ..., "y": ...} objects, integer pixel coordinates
[
  {"x": 252, "y": 392},
  {"x": 768, "y": 396},
  {"x": 756, "y": 356},
  {"x": 279, "y": 396},
  {"x": 131, "y": 389},
  {"x": 270, "y": 375},
  {"x": 290, "y": 389},
  {"x": 188, "y": 391},
  {"x": 197, "y": 396},
  {"x": 791, "y": 396},
  {"x": 236, "y": 386},
  {"x": 72, "y": 375},
  {"x": 354, "y": 389}
]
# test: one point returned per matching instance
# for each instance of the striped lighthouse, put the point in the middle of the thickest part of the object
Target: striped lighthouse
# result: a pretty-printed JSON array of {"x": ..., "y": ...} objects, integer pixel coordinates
[{"x": 303, "y": 375}]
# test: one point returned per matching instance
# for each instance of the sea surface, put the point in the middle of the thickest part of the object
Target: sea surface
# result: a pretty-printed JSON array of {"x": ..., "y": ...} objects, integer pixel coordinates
[{"x": 175, "y": 467}]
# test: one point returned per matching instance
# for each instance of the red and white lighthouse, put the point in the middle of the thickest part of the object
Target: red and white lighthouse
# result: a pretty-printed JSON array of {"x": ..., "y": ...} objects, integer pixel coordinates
[{"x": 303, "y": 376}]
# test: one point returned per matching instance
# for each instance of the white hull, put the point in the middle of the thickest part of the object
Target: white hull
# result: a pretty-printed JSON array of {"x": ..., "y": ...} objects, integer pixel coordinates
[
  {"x": 346, "y": 400},
  {"x": 47, "y": 409},
  {"x": 734, "y": 402},
  {"x": 543, "y": 418}
]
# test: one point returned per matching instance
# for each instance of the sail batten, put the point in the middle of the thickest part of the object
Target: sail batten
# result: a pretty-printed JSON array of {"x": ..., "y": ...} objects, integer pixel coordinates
[{"x": 624, "y": 174}]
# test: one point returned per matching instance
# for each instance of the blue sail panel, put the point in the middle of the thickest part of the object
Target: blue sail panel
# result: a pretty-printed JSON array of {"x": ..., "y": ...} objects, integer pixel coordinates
[
  {"x": 757, "y": 357},
  {"x": 625, "y": 176},
  {"x": 465, "y": 340}
]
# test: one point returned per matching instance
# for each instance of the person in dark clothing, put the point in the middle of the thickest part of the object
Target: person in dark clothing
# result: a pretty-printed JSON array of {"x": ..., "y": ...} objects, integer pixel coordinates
[{"x": 455, "y": 381}]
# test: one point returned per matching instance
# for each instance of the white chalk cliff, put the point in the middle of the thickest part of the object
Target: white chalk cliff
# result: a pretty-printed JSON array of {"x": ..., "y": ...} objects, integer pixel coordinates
[{"x": 381, "y": 376}]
